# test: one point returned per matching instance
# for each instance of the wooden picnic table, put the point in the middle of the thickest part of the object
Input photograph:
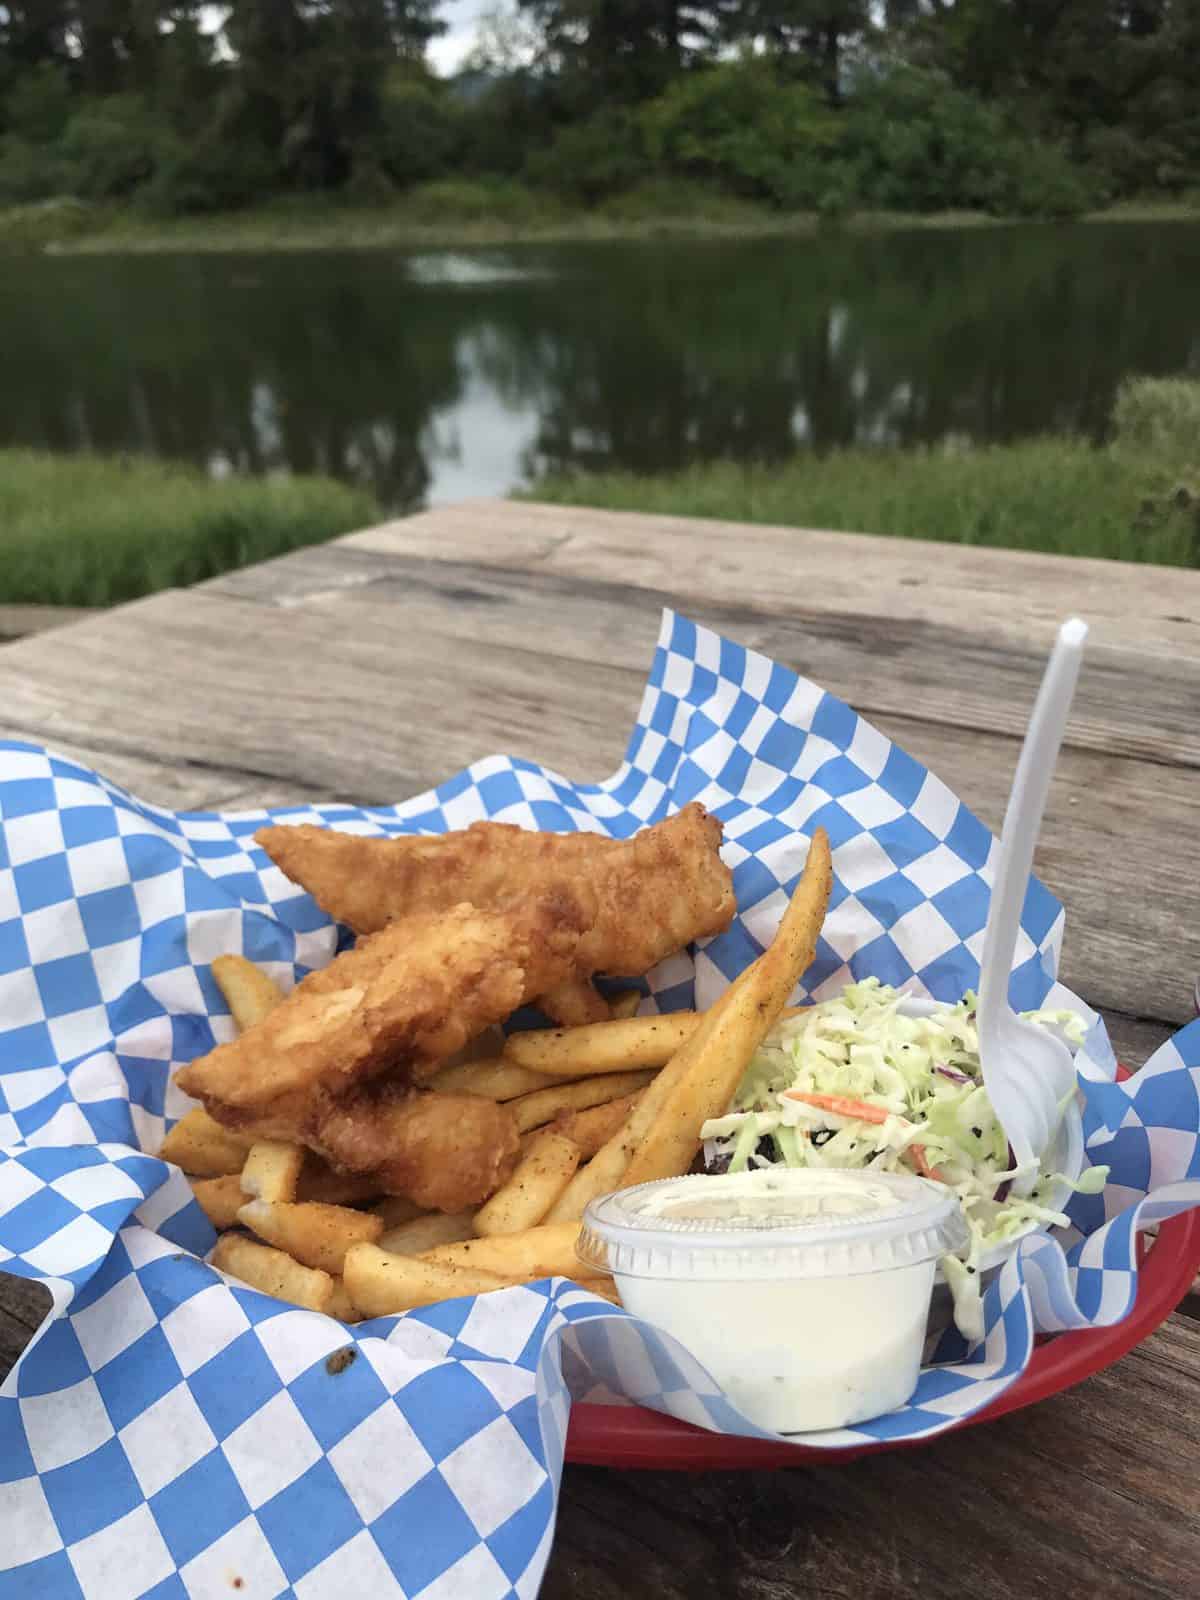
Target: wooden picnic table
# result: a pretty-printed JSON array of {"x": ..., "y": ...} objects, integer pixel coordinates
[{"x": 369, "y": 668}]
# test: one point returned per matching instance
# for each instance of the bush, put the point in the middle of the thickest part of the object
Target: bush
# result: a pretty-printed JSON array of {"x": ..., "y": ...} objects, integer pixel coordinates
[
  {"x": 463, "y": 200},
  {"x": 110, "y": 147},
  {"x": 740, "y": 125},
  {"x": 1161, "y": 417},
  {"x": 914, "y": 142},
  {"x": 210, "y": 173},
  {"x": 421, "y": 135},
  {"x": 591, "y": 160},
  {"x": 29, "y": 171}
]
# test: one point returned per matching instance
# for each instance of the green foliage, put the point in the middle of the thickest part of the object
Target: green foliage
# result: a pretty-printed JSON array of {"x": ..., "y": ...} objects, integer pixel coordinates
[
  {"x": 421, "y": 134},
  {"x": 1159, "y": 417},
  {"x": 38, "y": 104},
  {"x": 89, "y": 531},
  {"x": 109, "y": 147},
  {"x": 591, "y": 160},
  {"x": 1017, "y": 109},
  {"x": 740, "y": 125},
  {"x": 1056, "y": 495}
]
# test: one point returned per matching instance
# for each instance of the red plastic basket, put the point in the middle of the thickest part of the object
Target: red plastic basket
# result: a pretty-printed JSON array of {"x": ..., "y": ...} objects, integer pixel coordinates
[{"x": 629, "y": 1436}]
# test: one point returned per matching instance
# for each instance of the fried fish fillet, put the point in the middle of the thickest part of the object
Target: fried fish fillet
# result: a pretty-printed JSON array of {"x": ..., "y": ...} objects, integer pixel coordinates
[
  {"x": 397, "y": 1005},
  {"x": 654, "y": 892}
]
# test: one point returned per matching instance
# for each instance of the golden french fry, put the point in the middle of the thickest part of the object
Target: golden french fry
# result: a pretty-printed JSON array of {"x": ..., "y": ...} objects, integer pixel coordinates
[
  {"x": 600, "y": 1047},
  {"x": 625, "y": 1004},
  {"x": 248, "y": 991},
  {"x": 423, "y": 1233},
  {"x": 494, "y": 1080},
  {"x": 594, "y": 1127},
  {"x": 203, "y": 1148},
  {"x": 220, "y": 1199},
  {"x": 381, "y": 1284},
  {"x": 272, "y": 1170},
  {"x": 341, "y": 1306},
  {"x": 316, "y": 1235},
  {"x": 540, "y": 1178},
  {"x": 753, "y": 1004},
  {"x": 544, "y": 1252},
  {"x": 320, "y": 1183},
  {"x": 396, "y": 1209},
  {"x": 604, "y": 1287},
  {"x": 532, "y": 1110},
  {"x": 605, "y": 1171},
  {"x": 273, "y": 1272}
]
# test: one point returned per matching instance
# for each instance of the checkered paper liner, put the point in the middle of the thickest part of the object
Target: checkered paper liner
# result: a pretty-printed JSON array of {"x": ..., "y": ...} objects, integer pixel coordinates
[{"x": 169, "y": 1432}]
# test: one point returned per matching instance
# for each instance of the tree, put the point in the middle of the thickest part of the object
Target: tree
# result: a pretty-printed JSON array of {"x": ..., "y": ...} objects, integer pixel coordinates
[{"x": 807, "y": 35}]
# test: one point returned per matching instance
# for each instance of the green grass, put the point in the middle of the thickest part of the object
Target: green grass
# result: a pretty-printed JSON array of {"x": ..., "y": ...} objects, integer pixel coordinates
[
  {"x": 460, "y": 212},
  {"x": 1053, "y": 495},
  {"x": 90, "y": 530}
]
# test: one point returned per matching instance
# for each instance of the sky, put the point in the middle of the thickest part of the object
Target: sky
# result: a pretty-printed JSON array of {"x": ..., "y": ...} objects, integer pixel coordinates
[{"x": 446, "y": 53}]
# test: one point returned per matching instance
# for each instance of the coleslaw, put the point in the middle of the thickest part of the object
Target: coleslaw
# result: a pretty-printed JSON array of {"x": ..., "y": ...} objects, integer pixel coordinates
[{"x": 854, "y": 1082}]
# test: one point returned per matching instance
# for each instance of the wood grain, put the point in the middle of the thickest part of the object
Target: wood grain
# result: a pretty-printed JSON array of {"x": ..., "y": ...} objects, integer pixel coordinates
[
  {"x": 371, "y": 668},
  {"x": 957, "y": 668},
  {"x": 1090, "y": 1493}
]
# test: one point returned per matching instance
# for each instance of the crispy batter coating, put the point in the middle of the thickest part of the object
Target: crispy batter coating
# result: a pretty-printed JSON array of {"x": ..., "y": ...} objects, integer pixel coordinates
[
  {"x": 654, "y": 892},
  {"x": 396, "y": 1005}
]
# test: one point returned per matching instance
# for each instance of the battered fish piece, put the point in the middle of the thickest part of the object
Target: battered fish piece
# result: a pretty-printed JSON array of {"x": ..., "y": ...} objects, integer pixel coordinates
[
  {"x": 654, "y": 893},
  {"x": 447, "y": 1152},
  {"x": 397, "y": 1005}
]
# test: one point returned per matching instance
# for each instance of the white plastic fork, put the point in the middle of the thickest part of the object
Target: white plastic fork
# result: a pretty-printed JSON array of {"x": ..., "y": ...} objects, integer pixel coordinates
[{"x": 1027, "y": 1072}]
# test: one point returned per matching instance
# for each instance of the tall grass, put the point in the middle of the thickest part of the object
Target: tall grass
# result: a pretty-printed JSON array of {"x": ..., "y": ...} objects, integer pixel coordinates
[
  {"x": 89, "y": 530},
  {"x": 1136, "y": 500}
]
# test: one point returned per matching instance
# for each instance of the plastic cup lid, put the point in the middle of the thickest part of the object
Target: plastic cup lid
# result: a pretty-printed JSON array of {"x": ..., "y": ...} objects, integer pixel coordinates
[{"x": 807, "y": 1223}]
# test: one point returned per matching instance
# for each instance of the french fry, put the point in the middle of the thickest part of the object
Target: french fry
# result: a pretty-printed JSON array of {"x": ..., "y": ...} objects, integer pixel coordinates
[
  {"x": 625, "y": 1004},
  {"x": 485, "y": 1046},
  {"x": 540, "y": 1178},
  {"x": 604, "y": 1172},
  {"x": 423, "y": 1233},
  {"x": 591, "y": 1128},
  {"x": 320, "y": 1183},
  {"x": 397, "y": 1208},
  {"x": 604, "y": 1287},
  {"x": 544, "y": 1252},
  {"x": 494, "y": 1080},
  {"x": 272, "y": 1170},
  {"x": 599, "y": 1047},
  {"x": 273, "y": 1272},
  {"x": 753, "y": 1004},
  {"x": 203, "y": 1148},
  {"x": 220, "y": 1199},
  {"x": 381, "y": 1284},
  {"x": 532, "y": 1110},
  {"x": 249, "y": 993},
  {"x": 316, "y": 1235},
  {"x": 341, "y": 1306}
]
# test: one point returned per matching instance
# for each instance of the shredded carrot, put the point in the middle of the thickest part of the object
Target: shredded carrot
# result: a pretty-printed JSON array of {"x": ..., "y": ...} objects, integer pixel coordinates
[
  {"x": 841, "y": 1104},
  {"x": 921, "y": 1162}
]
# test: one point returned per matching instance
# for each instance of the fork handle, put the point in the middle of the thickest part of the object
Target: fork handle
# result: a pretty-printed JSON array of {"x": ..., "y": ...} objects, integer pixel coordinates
[{"x": 1023, "y": 820}]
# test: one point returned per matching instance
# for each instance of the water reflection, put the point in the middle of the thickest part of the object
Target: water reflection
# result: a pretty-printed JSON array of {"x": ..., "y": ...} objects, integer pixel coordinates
[{"x": 438, "y": 375}]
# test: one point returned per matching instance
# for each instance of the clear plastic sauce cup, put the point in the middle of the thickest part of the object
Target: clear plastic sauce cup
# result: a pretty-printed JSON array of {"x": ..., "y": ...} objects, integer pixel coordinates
[{"x": 804, "y": 1292}]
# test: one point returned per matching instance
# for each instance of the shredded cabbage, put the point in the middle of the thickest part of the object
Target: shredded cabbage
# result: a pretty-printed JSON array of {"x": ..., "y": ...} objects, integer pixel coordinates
[{"x": 918, "y": 1104}]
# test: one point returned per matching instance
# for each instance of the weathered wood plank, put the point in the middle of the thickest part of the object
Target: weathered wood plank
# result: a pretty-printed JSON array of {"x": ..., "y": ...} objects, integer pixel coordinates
[
  {"x": 389, "y": 709},
  {"x": 177, "y": 784},
  {"x": 16, "y": 622},
  {"x": 1090, "y": 1493},
  {"x": 1013, "y": 593},
  {"x": 953, "y": 671}
]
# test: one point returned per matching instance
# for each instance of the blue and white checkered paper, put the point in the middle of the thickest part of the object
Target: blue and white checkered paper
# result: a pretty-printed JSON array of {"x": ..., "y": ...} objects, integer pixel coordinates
[{"x": 168, "y": 1431}]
